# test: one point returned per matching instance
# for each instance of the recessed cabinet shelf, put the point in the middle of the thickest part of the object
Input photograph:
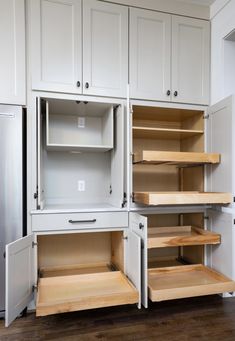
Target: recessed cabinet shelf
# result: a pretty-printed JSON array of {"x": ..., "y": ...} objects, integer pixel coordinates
[
  {"x": 86, "y": 291},
  {"x": 163, "y": 133},
  {"x": 182, "y": 198},
  {"x": 175, "y": 158},
  {"x": 72, "y": 126},
  {"x": 186, "y": 281},
  {"x": 180, "y": 236}
]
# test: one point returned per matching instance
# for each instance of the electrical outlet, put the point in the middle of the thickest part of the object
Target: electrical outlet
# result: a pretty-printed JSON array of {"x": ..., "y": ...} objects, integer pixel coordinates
[
  {"x": 81, "y": 186},
  {"x": 81, "y": 122}
]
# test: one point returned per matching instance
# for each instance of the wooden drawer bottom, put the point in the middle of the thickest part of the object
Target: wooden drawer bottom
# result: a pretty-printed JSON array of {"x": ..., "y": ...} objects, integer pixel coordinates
[
  {"x": 186, "y": 281},
  {"x": 87, "y": 291}
]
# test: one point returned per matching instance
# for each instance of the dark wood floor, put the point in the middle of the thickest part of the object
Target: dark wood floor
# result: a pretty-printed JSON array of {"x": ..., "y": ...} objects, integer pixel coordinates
[{"x": 205, "y": 318}]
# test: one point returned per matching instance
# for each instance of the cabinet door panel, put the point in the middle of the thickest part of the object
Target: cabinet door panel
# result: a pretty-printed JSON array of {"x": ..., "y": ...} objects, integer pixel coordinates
[
  {"x": 150, "y": 54},
  {"x": 220, "y": 130},
  {"x": 105, "y": 49},
  {"x": 139, "y": 225},
  {"x": 190, "y": 60},
  {"x": 222, "y": 256},
  {"x": 12, "y": 57},
  {"x": 19, "y": 277},
  {"x": 56, "y": 45}
]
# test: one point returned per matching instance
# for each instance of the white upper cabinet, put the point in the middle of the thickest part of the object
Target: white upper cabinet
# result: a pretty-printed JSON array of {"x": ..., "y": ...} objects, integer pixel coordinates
[
  {"x": 65, "y": 60},
  {"x": 190, "y": 60},
  {"x": 12, "y": 57},
  {"x": 150, "y": 54},
  {"x": 56, "y": 43},
  {"x": 105, "y": 49},
  {"x": 169, "y": 57}
]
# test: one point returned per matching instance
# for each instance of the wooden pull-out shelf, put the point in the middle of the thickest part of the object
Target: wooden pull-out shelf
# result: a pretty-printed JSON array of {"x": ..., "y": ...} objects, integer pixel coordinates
[
  {"x": 182, "y": 198},
  {"x": 164, "y": 133},
  {"x": 175, "y": 158},
  {"x": 186, "y": 281},
  {"x": 87, "y": 291},
  {"x": 159, "y": 237}
]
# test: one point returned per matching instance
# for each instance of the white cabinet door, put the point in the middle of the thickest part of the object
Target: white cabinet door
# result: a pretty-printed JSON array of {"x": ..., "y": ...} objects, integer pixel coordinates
[
  {"x": 222, "y": 256},
  {"x": 12, "y": 56},
  {"x": 105, "y": 49},
  {"x": 220, "y": 139},
  {"x": 56, "y": 42},
  {"x": 133, "y": 270},
  {"x": 190, "y": 60},
  {"x": 150, "y": 55},
  {"x": 19, "y": 277},
  {"x": 139, "y": 225}
]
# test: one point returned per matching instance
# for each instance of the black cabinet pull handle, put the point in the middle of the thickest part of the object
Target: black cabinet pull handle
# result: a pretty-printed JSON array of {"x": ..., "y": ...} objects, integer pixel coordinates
[
  {"x": 168, "y": 92},
  {"x": 82, "y": 221},
  {"x": 176, "y": 93},
  {"x": 141, "y": 226},
  {"x": 78, "y": 84},
  {"x": 86, "y": 85}
]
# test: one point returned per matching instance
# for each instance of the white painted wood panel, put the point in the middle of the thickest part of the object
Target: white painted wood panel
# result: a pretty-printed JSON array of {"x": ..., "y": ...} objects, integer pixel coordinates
[
  {"x": 134, "y": 261},
  {"x": 105, "y": 49},
  {"x": 19, "y": 277},
  {"x": 220, "y": 131},
  {"x": 190, "y": 60},
  {"x": 150, "y": 55},
  {"x": 56, "y": 42},
  {"x": 12, "y": 57}
]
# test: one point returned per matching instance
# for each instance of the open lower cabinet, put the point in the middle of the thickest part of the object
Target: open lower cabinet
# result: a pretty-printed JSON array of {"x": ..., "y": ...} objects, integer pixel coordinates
[
  {"x": 185, "y": 254},
  {"x": 73, "y": 271},
  {"x": 180, "y": 156},
  {"x": 80, "y": 149}
]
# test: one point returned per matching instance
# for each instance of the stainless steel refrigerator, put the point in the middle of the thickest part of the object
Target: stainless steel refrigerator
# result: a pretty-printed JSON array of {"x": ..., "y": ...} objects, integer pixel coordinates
[{"x": 12, "y": 183}]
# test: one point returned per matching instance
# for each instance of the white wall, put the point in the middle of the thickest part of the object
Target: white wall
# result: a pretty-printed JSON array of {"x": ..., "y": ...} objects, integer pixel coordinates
[{"x": 222, "y": 24}]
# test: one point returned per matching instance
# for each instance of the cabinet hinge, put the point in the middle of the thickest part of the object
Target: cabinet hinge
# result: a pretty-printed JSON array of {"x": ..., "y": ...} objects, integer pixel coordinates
[
  {"x": 206, "y": 218},
  {"x": 233, "y": 221},
  {"x": 206, "y": 117},
  {"x": 125, "y": 238},
  {"x": 110, "y": 190},
  {"x": 35, "y": 195},
  {"x": 233, "y": 199},
  {"x": 116, "y": 106},
  {"x": 34, "y": 244},
  {"x": 124, "y": 200},
  {"x": 34, "y": 288}
]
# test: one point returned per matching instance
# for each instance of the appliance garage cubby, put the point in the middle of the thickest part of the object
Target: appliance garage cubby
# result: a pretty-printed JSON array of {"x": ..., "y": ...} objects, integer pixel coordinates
[
  {"x": 168, "y": 157},
  {"x": 182, "y": 254},
  {"x": 80, "y": 155},
  {"x": 72, "y": 271}
]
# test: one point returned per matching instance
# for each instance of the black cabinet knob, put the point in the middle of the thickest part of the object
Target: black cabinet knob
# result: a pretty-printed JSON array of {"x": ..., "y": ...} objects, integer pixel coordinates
[
  {"x": 168, "y": 92},
  {"x": 176, "y": 93},
  {"x": 86, "y": 85},
  {"x": 78, "y": 84},
  {"x": 141, "y": 226}
]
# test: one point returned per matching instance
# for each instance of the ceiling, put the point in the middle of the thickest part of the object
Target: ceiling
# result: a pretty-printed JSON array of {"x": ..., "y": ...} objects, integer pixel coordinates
[{"x": 199, "y": 2}]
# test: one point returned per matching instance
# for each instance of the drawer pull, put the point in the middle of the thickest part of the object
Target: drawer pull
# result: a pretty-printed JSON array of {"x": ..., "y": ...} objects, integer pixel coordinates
[{"x": 82, "y": 221}]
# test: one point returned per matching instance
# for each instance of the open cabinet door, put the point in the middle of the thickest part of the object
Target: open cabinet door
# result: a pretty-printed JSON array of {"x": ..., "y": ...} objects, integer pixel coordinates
[
  {"x": 19, "y": 277},
  {"x": 133, "y": 270},
  {"x": 139, "y": 225},
  {"x": 222, "y": 256},
  {"x": 117, "y": 159},
  {"x": 41, "y": 106},
  {"x": 220, "y": 132}
]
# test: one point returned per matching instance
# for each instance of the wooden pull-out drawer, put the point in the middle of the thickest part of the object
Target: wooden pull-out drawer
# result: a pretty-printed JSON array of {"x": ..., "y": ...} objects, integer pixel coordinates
[
  {"x": 159, "y": 237},
  {"x": 75, "y": 221},
  {"x": 182, "y": 198},
  {"x": 186, "y": 281},
  {"x": 86, "y": 291}
]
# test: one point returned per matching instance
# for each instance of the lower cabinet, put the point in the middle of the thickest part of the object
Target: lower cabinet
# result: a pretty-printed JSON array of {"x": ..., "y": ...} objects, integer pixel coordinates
[
  {"x": 73, "y": 271},
  {"x": 183, "y": 258}
]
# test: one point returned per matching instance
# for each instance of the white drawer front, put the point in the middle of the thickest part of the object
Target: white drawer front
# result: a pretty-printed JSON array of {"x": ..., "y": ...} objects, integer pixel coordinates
[{"x": 76, "y": 221}]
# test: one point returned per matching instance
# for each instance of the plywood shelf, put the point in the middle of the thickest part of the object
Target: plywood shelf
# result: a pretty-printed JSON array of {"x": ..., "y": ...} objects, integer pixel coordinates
[
  {"x": 164, "y": 133},
  {"x": 159, "y": 237},
  {"x": 182, "y": 198},
  {"x": 186, "y": 281},
  {"x": 175, "y": 158},
  {"x": 87, "y": 291}
]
